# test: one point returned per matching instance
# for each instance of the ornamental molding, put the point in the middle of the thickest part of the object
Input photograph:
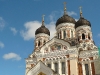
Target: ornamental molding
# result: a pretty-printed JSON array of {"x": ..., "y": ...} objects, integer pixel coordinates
[
  {"x": 56, "y": 53},
  {"x": 89, "y": 53},
  {"x": 42, "y": 34},
  {"x": 65, "y": 24},
  {"x": 84, "y": 27}
]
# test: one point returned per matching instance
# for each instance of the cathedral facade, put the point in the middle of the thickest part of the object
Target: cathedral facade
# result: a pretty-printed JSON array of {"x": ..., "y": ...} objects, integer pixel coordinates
[{"x": 71, "y": 51}]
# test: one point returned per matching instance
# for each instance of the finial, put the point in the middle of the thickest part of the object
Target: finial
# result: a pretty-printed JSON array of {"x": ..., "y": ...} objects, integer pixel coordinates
[
  {"x": 80, "y": 11},
  {"x": 43, "y": 20},
  {"x": 65, "y": 8}
]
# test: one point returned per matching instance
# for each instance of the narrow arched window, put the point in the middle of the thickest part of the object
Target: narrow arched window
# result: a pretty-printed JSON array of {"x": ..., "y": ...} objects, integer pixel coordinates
[
  {"x": 86, "y": 69},
  {"x": 64, "y": 34},
  {"x": 58, "y": 35},
  {"x": 72, "y": 34},
  {"x": 44, "y": 42},
  {"x": 39, "y": 43},
  {"x": 89, "y": 36},
  {"x": 83, "y": 36},
  {"x": 56, "y": 67},
  {"x": 49, "y": 65},
  {"x": 63, "y": 67}
]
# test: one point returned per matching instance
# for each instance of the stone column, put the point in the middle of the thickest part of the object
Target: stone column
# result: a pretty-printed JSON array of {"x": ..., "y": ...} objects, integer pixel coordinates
[
  {"x": 62, "y": 34},
  {"x": 36, "y": 43},
  {"x": 59, "y": 67},
  {"x": 66, "y": 33},
  {"x": 66, "y": 67},
  {"x": 90, "y": 68},
  {"x": 83, "y": 68},
  {"x": 52, "y": 65}
]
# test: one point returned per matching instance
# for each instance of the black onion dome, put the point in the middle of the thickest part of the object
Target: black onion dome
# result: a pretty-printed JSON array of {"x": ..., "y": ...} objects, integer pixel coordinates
[
  {"x": 65, "y": 19},
  {"x": 81, "y": 22},
  {"x": 42, "y": 29}
]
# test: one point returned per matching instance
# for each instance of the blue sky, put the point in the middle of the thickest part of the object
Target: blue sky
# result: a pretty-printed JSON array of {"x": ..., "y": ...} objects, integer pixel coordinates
[{"x": 20, "y": 18}]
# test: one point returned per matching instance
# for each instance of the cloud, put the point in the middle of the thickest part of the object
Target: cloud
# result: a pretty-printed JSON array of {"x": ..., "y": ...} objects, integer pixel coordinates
[
  {"x": 1, "y": 45},
  {"x": 13, "y": 56},
  {"x": 13, "y": 30},
  {"x": 2, "y": 23},
  {"x": 76, "y": 20},
  {"x": 30, "y": 28},
  {"x": 99, "y": 35},
  {"x": 71, "y": 13}
]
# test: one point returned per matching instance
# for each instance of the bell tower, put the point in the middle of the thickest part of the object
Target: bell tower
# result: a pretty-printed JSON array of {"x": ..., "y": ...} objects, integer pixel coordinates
[{"x": 42, "y": 35}]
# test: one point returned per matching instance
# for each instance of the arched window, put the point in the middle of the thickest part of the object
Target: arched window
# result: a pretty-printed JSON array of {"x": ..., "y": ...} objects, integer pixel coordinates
[
  {"x": 39, "y": 43},
  {"x": 72, "y": 34},
  {"x": 56, "y": 67},
  {"x": 63, "y": 67},
  {"x": 83, "y": 36},
  {"x": 64, "y": 33},
  {"x": 86, "y": 69},
  {"x": 89, "y": 36},
  {"x": 44, "y": 42},
  {"x": 49, "y": 65}
]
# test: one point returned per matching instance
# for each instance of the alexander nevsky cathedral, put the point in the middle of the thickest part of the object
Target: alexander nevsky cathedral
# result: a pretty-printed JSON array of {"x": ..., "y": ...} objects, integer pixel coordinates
[{"x": 71, "y": 51}]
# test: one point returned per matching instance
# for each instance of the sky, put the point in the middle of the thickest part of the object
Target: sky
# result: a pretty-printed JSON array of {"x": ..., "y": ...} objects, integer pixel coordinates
[{"x": 20, "y": 18}]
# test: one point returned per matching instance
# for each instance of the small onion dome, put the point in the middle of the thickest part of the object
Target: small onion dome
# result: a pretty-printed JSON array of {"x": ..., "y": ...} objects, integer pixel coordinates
[
  {"x": 65, "y": 19},
  {"x": 81, "y": 22},
  {"x": 42, "y": 29}
]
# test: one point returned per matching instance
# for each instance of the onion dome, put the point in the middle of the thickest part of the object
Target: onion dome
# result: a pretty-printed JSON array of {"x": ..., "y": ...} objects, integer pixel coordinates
[
  {"x": 42, "y": 29},
  {"x": 65, "y": 18},
  {"x": 82, "y": 21}
]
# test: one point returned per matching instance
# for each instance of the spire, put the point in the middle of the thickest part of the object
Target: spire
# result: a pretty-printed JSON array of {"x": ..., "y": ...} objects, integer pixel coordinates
[
  {"x": 43, "y": 20},
  {"x": 65, "y": 8},
  {"x": 80, "y": 11}
]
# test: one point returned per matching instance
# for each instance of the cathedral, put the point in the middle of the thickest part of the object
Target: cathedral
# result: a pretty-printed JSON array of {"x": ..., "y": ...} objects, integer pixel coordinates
[{"x": 71, "y": 51}]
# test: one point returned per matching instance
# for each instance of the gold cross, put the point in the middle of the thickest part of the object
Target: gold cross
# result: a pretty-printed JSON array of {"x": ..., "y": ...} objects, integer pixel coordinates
[
  {"x": 43, "y": 17},
  {"x": 65, "y": 5},
  {"x": 80, "y": 9}
]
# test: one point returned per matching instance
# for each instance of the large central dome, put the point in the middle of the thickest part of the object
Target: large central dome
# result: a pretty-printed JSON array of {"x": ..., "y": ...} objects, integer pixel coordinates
[{"x": 65, "y": 19}]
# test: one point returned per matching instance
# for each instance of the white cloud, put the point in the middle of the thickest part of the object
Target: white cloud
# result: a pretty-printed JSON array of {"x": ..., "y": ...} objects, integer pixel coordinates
[
  {"x": 13, "y": 30},
  {"x": 99, "y": 35},
  {"x": 2, "y": 23},
  {"x": 30, "y": 28},
  {"x": 76, "y": 20},
  {"x": 70, "y": 13},
  {"x": 13, "y": 56},
  {"x": 1, "y": 45}
]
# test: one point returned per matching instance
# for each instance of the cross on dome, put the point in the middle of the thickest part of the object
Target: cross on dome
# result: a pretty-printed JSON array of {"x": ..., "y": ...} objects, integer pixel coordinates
[
  {"x": 65, "y": 8},
  {"x": 80, "y": 11},
  {"x": 43, "y": 20}
]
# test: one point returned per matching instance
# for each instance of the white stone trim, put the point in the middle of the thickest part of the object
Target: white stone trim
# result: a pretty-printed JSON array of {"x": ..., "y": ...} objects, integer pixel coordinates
[
  {"x": 42, "y": 34},
  {"x": 64, "y": 24}
]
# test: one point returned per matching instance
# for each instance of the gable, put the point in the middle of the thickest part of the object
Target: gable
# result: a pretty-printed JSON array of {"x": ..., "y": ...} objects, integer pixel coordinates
[
  {"x": 55, "y": 44},
  {"x": 39, "y": 69}
]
